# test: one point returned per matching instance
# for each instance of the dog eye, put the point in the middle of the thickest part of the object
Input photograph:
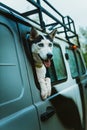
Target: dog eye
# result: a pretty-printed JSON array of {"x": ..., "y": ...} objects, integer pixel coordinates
[
  {"x": 41, "y": 45},
  {"x": 50, "y": 44}
]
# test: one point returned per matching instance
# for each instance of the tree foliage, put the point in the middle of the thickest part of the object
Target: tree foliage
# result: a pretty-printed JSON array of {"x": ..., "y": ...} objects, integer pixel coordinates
[
  {"x": 83, "y": 37},
  {"x": 83, "y": 41}
]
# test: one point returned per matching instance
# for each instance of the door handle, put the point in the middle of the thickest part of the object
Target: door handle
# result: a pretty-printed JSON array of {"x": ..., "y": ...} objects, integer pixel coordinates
[{"x": 50, "y": 111}]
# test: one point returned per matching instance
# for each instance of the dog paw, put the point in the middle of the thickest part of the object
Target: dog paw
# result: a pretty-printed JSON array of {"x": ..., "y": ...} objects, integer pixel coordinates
[
  {"x": 45, "y": 85},
  {"x": 49, "y": 92},
  {"x": 44, "y": 94},
  {"x": 48, "y": 84}
]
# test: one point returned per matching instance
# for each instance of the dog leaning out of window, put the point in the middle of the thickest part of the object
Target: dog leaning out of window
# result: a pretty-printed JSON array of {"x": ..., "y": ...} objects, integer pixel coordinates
[{"x": 41, "y": 48}]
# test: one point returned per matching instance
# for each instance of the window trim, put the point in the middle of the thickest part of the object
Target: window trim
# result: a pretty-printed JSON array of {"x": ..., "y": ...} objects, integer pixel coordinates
[
  {"x": 76, "y": 60},
  {"x": 81, "y": 59},
  {"x": 61, "y": 80},
  {"x": 74, "y": 53}
]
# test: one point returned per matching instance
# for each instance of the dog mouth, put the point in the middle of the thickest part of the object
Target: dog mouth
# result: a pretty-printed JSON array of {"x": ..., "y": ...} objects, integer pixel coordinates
[{"x": 47, "y": 63}]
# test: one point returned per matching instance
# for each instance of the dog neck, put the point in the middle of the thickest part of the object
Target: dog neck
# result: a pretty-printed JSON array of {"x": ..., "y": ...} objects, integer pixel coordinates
[{"x": 37, "y": 61}]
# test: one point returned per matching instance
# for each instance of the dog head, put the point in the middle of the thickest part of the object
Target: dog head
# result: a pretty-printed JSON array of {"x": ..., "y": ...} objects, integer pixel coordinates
[{"x": 42, "y": 45}]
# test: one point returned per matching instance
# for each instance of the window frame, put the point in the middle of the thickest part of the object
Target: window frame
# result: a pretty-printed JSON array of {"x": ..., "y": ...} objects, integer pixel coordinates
[
  {"x": 76, "y": 61},
  {"x": 82, "y": 62},
  {"x": 58, "y": 81}
]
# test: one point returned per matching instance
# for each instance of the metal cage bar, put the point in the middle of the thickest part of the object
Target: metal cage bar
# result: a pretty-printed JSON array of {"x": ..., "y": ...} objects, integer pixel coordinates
[{"x": 68, "y": 27}]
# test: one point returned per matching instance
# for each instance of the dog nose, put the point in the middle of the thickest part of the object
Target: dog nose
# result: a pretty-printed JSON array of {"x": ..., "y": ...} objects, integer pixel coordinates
[{"x": 49, "y": 55}]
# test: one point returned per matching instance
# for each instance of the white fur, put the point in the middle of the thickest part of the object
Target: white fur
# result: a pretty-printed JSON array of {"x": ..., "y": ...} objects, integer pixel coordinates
[
  {"x": 45, "y": 83},
  {"x": 42, "y": 51}
]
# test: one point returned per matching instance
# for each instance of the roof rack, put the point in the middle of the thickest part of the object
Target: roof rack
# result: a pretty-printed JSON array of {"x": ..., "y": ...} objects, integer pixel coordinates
[{"x": 64, "y": 23}]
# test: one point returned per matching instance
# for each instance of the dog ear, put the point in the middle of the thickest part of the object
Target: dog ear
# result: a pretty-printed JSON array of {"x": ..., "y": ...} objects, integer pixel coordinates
[
  {"x": 52, "y": 34},
  {"x": 33, "y": 34}
]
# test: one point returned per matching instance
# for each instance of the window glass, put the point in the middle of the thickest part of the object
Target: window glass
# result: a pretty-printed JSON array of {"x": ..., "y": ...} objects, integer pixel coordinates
[
  {"x": 57, "y": 70},
  {"x": 10, "y": 76},
  {"x": 80, "y": 63},
  {"x": 72, "y": 63}
]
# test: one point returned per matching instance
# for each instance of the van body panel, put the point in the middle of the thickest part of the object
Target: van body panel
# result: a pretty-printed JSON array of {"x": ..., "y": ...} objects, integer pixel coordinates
[
  {"x": 15, "y": 95},
  {"x": 82, "y": 81}
]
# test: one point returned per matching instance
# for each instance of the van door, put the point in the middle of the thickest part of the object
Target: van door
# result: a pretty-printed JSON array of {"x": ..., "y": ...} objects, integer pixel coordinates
[
  {"x": 60, "y": 110},
  {"x": 46, "y": 111},
  {"x": 82, "y": 81},
  {"x": 16, "y": 108}
]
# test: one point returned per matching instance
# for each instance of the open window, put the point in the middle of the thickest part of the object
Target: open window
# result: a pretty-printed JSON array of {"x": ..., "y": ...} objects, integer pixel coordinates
[
  {"x": 57, "y": 70},
  {"x": 27, "y": 48}
]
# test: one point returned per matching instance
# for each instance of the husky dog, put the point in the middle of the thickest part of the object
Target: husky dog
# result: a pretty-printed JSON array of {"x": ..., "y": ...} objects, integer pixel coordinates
[{"x": 41, "y": 48}]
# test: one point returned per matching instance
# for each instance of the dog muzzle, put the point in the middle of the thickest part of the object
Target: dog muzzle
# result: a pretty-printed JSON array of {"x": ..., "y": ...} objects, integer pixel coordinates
[{"x": 47, "y": 62}]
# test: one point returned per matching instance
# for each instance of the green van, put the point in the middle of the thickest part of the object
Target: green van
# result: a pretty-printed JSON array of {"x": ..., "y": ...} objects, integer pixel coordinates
[{"x": 21, "y": 107}]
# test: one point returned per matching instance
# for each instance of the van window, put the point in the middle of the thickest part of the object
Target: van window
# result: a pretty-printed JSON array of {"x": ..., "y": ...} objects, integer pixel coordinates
[
  {"x": 75, "y": 62},
  {"x": 80, "y": 63},
  {"x": 10, "y": 76},
  {"x": 57, "y": 69},
  {"x": 72, "y": 63}
]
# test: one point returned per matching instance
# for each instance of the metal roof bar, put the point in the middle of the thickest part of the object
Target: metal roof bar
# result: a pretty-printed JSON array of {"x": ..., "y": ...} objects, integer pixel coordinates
[
  {"x": 30, "y": 12},
  {"x": 47, "y": 13},
  {"x": 65, "y": 23}
]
